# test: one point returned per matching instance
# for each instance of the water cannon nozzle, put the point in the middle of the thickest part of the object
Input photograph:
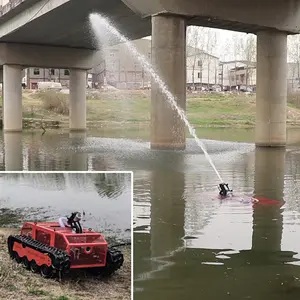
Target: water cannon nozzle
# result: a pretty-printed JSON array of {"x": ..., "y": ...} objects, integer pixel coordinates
[{"x": 224, "y": 189}]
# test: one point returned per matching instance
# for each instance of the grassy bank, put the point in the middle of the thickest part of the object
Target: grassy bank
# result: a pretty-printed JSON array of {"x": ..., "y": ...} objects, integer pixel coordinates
[
  {"x": 18, "y": 283},
  {"x": 116, "y": 108}
]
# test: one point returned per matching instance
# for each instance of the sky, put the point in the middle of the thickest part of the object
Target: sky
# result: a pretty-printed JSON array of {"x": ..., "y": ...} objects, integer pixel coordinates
[{"x": 222, "y": 37}]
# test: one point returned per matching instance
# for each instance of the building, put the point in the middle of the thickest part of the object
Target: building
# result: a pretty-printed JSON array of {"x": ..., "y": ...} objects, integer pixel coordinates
[
  {"x": 202, "y": 68},
  {"x": 233, "y": 74},
  {"x": 238, "y": 74},
  {"x": 121, "y": 69},
  {"x": 35, "y": 75}
]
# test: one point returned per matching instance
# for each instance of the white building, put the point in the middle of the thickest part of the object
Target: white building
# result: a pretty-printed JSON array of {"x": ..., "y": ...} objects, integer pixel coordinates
[{"x": 202, "y": 68}]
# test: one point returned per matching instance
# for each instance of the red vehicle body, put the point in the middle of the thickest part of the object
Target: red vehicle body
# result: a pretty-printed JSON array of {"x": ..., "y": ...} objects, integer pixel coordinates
[
  {"x": 47, "y": 247},
  {"x": 78, "y": 246}
]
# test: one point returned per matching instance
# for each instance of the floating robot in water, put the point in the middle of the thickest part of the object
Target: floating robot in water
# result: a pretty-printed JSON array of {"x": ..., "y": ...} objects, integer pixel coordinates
[
  {"x": 224, "y": 189},
  {"x": 52, "y": 248}
]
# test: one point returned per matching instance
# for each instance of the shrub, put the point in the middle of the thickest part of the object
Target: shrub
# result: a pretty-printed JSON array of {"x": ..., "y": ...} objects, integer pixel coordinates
[{"x": 55, "y": 101}]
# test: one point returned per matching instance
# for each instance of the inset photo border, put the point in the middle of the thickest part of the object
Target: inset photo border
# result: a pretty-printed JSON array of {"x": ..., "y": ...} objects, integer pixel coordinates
[{"x": 66, "y": 235}]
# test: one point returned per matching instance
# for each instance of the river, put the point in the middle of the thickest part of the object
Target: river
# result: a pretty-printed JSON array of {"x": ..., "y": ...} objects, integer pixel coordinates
[
  {"x": 187, "y": 242},
  {"x": 105, "y": 200}
]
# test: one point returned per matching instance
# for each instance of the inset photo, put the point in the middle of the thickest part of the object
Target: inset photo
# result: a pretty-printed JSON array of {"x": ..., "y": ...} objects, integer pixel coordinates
[{"x": 65, "y": 235}]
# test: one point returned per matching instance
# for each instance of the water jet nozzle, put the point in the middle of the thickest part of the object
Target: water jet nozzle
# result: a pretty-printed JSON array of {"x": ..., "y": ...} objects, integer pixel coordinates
[{"x": 224, "y": 189}]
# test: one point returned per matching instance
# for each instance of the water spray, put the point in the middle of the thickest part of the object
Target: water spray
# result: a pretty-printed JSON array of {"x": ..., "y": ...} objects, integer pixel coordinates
[{"x": 98, "y": 22}]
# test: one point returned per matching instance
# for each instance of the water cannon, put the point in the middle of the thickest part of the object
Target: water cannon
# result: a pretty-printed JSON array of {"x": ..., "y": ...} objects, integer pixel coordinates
[{"x": 224, "y": 189}]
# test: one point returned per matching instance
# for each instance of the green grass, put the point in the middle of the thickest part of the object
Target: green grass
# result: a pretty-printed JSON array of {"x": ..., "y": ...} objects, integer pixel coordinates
[
  {"x": 62, "y": 298},
  {"x": 205, "y": 110}
]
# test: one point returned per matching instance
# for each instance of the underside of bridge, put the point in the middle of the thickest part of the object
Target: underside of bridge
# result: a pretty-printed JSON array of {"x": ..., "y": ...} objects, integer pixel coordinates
[{"x": 64, "y": 24}]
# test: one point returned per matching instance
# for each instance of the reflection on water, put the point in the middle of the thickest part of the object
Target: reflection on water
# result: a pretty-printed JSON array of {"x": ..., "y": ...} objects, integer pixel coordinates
[
  {"x": 105, "y": 199},
  {"x": 188, "y": 243}
]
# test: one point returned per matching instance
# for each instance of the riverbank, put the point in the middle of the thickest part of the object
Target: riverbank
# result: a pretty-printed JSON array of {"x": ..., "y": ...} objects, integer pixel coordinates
[
  {"x": 17, "y": 283},
  {"x": 121, "y": 108}
]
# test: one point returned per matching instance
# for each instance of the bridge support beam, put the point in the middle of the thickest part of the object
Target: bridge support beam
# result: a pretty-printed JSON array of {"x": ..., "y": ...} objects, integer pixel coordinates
[
  {"x": 169, "y": 59},
  {"x": 271, "y": 89},
  {"x": 77, "y": 100},
  {"x": 12, "y": 98}
]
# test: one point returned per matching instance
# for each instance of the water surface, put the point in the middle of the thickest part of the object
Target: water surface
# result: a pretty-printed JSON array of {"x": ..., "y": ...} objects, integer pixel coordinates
[
  {"x": 188, "y": 243},
  {"x": 104, "y": 198}
]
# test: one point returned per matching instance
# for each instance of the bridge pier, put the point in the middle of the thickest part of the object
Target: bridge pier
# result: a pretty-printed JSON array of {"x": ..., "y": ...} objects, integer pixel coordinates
[
  {"x": 169, "y": 59},
  {"x": 12, "y": 98},
  {"x": 271, "y": 89},
  {"x": 77, "y": 100},
  {"x": 13, "y": 151}
]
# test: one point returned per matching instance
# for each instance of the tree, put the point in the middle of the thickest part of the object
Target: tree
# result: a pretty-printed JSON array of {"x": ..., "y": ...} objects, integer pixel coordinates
[
  {"x": 199, "y": 41},
  {"x": 211, "y": 42},
  {"x": 249, "y": 52},
  {"x": 237, "y": 51},
  {"x": 294, "y": 55},
  {"x": 195, "y": 42}
]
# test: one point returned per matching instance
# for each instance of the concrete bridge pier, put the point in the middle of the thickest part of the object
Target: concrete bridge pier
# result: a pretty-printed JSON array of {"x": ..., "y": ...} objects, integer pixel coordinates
[
  {"x": 13, "y": 151},
  {"x": 12, "y": 98},
  {"x": 271, "y": 89},
  {"x": 77, "y": 100},
  {"x": 169, "y": 59}
]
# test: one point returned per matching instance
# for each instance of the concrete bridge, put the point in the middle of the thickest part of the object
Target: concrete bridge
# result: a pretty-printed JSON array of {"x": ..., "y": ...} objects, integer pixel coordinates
[{"x": 55, "y": 33}]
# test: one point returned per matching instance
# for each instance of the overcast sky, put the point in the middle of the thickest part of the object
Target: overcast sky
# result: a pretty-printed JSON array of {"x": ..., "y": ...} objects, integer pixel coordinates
[{"x": 222, "y": 37}]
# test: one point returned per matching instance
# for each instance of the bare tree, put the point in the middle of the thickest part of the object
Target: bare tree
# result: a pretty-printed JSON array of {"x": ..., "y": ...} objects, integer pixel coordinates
[
  {"x": 294, "y": 55},
  {"x": 211, "y": 42},
  {"x": 249, "y": 54},
  {"x": 238, "y": 50},
  {"x": 227, "y": 55},
  {"x": 195, "y": 45}
]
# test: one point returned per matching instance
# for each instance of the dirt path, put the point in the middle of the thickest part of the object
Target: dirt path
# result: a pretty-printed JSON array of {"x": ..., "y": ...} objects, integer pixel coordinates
[{"x": 17, "y": 283}]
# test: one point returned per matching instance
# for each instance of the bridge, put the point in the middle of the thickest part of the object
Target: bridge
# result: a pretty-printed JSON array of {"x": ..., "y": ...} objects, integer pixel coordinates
[{"x": 56, "y": 34}]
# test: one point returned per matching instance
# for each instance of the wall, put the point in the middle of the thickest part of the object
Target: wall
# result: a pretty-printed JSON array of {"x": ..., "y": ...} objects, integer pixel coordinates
[
  {"x": 35, "y": 75},
  {"x": 122, "y": 69},
  {"x": 202, "y": 68}
]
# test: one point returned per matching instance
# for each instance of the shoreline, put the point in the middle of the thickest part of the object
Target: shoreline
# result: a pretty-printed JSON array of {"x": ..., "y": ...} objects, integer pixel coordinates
[{"x": 34, "y": 123}]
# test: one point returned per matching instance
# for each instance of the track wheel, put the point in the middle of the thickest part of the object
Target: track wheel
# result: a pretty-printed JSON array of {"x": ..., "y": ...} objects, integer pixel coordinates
[
  {"x": 46, "y": 271},
  {"x": 25, "y": 263},
  {"x": 34, "y": 267},
  {"x": 16, "y": 257}
]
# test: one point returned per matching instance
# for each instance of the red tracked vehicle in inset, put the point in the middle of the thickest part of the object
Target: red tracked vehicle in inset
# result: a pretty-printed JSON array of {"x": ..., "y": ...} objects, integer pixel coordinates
[{"x": 50, "y": 248}]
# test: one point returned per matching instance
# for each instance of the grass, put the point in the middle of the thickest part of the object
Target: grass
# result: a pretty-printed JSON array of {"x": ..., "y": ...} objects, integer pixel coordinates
[
  {"x": 117, "y": 108},
  {"x": 20, "y": 284}
]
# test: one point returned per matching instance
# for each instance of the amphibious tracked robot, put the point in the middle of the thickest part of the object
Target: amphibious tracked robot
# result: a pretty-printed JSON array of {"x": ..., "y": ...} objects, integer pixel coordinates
[
  {"x": 224, "y": 189},
  {"x": 51, "y": 248}
]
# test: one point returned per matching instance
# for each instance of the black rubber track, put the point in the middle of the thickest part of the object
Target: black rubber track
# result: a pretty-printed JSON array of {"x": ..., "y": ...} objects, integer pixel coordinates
[{"x": 60, "y": 259}]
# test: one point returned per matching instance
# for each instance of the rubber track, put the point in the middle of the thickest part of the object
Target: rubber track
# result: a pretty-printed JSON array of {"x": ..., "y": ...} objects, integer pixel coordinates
[
  {"x": 115, "y": 260},
  {"x": 59, "y": 258}
]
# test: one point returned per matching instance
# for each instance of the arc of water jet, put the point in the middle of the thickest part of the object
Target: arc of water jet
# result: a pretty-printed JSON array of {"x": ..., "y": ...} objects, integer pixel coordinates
[{"x": 97, "y": 19}]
